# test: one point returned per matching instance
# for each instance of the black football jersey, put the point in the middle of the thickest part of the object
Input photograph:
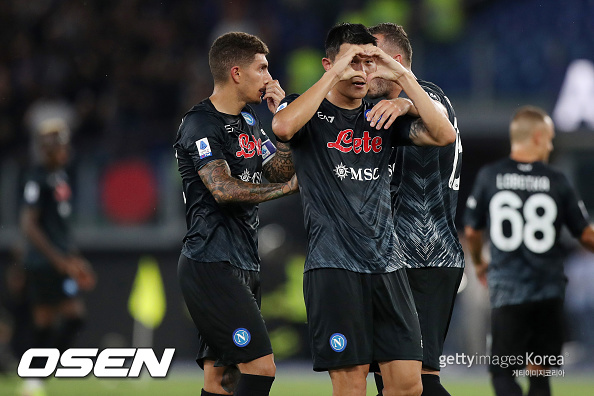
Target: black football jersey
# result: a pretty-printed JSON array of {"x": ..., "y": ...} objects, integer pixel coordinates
[
  {"x": 524, "y": 206},
  {"x": 342, "y": 165},
  {"x": 48, "y": 192},
  {"x": 216, "y": 232},
  {"x": 424, "y": 188}
]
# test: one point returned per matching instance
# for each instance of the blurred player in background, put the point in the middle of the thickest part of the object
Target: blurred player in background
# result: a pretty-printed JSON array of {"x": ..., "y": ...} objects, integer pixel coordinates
[
  {"x": 222, "y": 153},
  {"x": 425, "y": 184},
  {"x": 54, "y": 269},
  {"x": 524, "y": 202},
  {"x": 359, "y": 304}
]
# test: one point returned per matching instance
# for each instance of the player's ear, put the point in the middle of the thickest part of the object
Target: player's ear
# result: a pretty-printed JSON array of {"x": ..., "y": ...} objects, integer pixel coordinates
[
  {"x": 537, "y": 137},
  {"x": 235, "y": 74},
  {"x": 327, "y": 63}
]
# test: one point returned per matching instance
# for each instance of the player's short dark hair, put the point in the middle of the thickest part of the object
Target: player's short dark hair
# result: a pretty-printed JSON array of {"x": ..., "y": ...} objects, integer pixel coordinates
[
  {"x": 233, "y": 49},
  {"x": 394, "y": 35},
  {"x": 347, "y": 33},
  {"x": 523, "y": 121}
]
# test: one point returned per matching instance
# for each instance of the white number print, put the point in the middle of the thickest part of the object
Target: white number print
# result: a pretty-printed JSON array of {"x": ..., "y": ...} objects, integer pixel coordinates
[
  {"x": 454, "y": 182},
  {"x": 506, "y": 205}
]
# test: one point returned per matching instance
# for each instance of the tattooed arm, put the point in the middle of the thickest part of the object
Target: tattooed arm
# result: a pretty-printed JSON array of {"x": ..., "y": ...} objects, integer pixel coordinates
[
  {"x": 226, "y": 189},
  {"x": 280, "y": 168}
]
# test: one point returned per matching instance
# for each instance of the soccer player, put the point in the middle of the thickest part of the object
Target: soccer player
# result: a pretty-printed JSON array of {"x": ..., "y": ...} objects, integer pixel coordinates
[
  {"x": 359, "y": 304},
  {"x": 222, "y": 153},
  {"x": 524, "y": 202},
  {"x": 54, "y": 269},
  {"x": 425, "y": 183}
]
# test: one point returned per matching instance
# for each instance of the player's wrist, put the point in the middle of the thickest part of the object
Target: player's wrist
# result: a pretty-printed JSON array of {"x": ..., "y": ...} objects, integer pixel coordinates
[
  {"x": 333, "y": 76},
  {"x": 404, "y": 78}
]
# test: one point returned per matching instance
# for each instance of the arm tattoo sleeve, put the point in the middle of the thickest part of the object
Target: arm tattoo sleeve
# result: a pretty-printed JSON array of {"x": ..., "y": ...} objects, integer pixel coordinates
[
  {"x": 280, "y": 168},
  {"x": 226, "y": 189}
]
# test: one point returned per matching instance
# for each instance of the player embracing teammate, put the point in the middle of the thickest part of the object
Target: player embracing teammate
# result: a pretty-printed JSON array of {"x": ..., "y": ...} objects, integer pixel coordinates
[{"x": 360, "y": 308}]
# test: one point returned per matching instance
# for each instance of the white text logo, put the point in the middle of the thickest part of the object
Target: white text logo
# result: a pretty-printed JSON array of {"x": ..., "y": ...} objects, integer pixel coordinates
[
  {"x": 330, "y": 119},
  {"x": 80, "y": 362}
]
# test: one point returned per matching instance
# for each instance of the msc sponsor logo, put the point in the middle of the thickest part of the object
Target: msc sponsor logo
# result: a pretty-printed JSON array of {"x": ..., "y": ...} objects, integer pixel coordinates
[
  {"x": 324, "y": 117},
  {"x": 338, "y": 342},
  {"x": 247, "y": 176},
  {"x": 241, "y": 337},
  {"x": 360, "y": 174},
  {"x": 345, "y": 142},
  {"x": 80, "y": 362}
]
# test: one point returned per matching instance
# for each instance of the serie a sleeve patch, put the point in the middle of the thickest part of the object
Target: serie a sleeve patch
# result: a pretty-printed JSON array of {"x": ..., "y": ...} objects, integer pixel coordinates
[
  {"x": 268, "y": 151},
  {"x": 204, "y": 149}
]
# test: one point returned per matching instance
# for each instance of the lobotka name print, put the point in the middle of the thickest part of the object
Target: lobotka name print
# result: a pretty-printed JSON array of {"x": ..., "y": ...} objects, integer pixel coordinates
[{"x": 107, "y": 363}]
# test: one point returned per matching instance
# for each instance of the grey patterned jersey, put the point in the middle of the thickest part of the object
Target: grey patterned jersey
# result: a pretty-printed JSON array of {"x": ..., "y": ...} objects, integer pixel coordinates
[
  {"x": 524, "y": 206},
  {"x": 424, "y": 188},
  {"x": 50, "y": 194},
  {"x": 342, "y": 165}
]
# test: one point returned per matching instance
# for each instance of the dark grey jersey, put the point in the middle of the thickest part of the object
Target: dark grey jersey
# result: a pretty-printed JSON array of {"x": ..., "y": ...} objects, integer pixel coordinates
[
  {"x": 221, "y": 233},
  {"x": 50, "y": 194},
  {"x": 424, "y": 187},
  {"x": 524, "y": 206},
  {"x": 342, "y": 165}
]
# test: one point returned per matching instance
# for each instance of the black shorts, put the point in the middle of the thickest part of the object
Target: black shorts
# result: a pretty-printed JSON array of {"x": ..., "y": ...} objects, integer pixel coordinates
[
  {"x": 224, "y": 303},
  {"x": 527, "y": 333},
  {"x": 434, "y": 290},
  {"x": 357, "y": 318},
  {"x": 48, "y": 286}
]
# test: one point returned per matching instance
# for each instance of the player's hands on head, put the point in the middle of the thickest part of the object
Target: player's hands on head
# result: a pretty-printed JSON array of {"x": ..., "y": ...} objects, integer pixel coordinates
[
  {"x": 273, "y": 95},
  {"x": 384, "y": 113}
]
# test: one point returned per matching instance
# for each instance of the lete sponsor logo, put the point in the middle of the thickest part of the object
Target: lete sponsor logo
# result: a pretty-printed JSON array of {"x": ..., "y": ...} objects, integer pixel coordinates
[
  {"x": 345, "y": 142},
  {"x": 249, "y": 146}
]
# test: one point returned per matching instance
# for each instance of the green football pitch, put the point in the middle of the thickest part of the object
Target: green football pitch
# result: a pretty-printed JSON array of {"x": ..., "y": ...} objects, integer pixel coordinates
[{"x": 286, "y": 384}]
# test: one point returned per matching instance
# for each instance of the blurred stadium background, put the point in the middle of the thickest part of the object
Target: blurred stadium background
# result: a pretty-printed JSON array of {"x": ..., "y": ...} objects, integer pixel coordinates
[{"x": 122, "y": 73}]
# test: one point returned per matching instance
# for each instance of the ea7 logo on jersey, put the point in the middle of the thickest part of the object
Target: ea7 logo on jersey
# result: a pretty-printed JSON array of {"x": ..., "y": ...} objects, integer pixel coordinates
[
  {"x": 321, "y": 116},
  {"x": 345, "y": 142},
  {"x": 249, "y": 147}
]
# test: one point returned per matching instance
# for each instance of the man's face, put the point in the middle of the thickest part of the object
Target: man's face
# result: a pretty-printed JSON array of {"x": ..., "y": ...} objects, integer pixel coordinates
[
  {"x": 55, "y": 150},
  {"x": 378, "y": 87},
  {"x": 256, "y": 76},
  {"x": 356, "y": 87}
]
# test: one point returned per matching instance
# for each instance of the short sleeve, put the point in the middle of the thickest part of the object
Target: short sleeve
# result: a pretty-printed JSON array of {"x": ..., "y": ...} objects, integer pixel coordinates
[
  {"x": 33, "y": 192},
  {"x": 577, "y": 218},
  {"x": 284, "y": 103},
  {"x": 400, "y": 131},
  {"x": 476, "y": 211},
  {"x": 203, "y": 138}
]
